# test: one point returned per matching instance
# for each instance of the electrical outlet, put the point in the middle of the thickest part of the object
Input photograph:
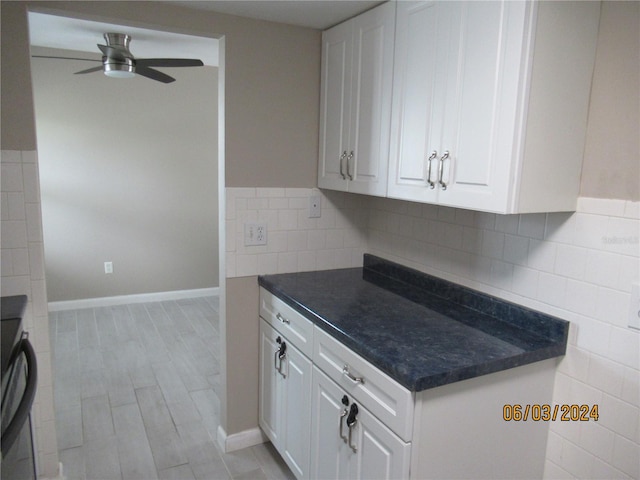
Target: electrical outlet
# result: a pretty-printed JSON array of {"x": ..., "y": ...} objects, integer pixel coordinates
[
  {"x": 634, "y": 307},
  {"x": 108, "y": 267},
  {"x": 255, "y": 234},
  {"x": 315, "y": 206}
]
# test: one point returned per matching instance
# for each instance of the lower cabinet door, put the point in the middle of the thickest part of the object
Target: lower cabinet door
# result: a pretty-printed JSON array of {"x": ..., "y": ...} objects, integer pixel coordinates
[
  {"x": 271, "y": 389},
  {"x": 380, "y": 454},
  {"x": 346, "y": 449},
  {"x": 296, "y": 412},
  {"x": 329, "y": 452},
  {"x": 285, "y": 398}
]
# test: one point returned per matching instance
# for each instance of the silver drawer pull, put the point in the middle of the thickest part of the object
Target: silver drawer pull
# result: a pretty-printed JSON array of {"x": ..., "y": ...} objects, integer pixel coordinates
[
  {"x": 282, "y": 319},
  {"x": 350, "y": 376},
  {"x": 349, "y": 160}
]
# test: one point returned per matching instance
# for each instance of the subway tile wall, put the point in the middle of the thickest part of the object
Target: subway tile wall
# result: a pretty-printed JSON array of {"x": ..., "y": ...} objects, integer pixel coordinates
[
  {"x": 22, "y": 272},
  {"x": 295, "y": 242},
  {"x": 578, "y": 266}
]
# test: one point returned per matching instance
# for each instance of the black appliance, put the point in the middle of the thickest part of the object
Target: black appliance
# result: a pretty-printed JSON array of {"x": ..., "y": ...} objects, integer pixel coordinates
[{"x": 19, "y": 382}]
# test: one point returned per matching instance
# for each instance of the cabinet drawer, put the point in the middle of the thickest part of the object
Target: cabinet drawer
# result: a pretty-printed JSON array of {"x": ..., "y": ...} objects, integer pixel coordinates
[
  {"x": 291, "y": 324},
  {"x": 389, "y": 401}
]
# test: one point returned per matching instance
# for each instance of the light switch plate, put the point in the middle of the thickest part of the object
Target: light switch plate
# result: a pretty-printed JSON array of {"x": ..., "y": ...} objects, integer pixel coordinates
[{"x": 315, "y": 206}]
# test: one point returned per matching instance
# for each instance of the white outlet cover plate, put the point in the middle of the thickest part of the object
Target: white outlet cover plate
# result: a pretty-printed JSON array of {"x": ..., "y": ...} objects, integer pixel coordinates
[{"x": 255, "y": 234}]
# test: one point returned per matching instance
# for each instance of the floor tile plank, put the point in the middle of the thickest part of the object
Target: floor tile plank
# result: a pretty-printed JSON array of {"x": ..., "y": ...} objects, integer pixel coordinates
[
  {"x": 136, "y": 397},
  {"x": 96, "y": 418}
]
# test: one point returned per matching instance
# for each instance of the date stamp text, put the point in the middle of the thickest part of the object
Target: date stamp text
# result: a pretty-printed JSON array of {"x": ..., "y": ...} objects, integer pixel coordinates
[{"x": 549, "y": 413}]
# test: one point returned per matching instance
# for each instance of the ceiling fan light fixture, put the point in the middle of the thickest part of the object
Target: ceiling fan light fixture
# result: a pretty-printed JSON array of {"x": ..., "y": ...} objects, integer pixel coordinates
[{"x": 119, "y": 70}]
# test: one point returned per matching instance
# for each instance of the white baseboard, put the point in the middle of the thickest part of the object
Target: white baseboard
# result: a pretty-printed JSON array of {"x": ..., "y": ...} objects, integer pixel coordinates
[
  {"x": 60, "y": 475},
  {"x": 126, "y": 299},
  {"x": 240, "y": 440}
]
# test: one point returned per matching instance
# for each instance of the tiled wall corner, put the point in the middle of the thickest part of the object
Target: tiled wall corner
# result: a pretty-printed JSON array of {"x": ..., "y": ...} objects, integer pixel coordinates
[
  {"x": 22, "y": 272},
  {"x": 295, "y": 242},
  {"x": 578, "y": 266}
]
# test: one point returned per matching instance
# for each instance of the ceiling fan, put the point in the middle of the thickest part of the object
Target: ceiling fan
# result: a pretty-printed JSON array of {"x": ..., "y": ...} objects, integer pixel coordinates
[{"x": 119, "y": 62}]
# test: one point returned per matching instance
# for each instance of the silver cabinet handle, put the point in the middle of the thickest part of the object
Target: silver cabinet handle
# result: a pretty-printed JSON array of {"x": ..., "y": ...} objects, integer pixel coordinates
[
  {"x": 441, "y": 174},
  {"x": 344, "y": 413},
  {"x": 350, "y": 376},
  {"x": 277, "y": 361},
  {"x": 282, "y": 319},
  {"x": 279, "y": 355},
  {"x": 433, "y": 155},
  {"x": 353, "y": 447},
  {"x": 351, "y": 423},
  {"x": 342, "y": 157},
  {"x": 348, "y": 160}
]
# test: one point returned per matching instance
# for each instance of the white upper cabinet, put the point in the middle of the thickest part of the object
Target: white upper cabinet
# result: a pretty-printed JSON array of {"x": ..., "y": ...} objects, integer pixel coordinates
[
  {"x": 355, "y": 103},
  {"x": 490, "y": 103}
]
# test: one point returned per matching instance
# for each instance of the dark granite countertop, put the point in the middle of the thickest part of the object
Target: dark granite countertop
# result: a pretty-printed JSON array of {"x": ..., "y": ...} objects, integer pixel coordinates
[
  {"x": 421, "y": 330},
  {"x": 11, "y": 311}
]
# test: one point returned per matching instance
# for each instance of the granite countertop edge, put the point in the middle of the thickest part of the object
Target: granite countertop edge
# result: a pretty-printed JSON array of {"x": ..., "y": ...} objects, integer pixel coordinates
[{"x": 552, "y": 339}]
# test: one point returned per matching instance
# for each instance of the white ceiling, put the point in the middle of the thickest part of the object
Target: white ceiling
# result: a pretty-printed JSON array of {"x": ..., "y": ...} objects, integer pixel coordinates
[{"x": 319, "y": 14}]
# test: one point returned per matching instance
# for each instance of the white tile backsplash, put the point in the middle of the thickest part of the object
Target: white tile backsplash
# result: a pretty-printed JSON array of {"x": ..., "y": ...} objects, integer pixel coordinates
[
  {"x": 23, "y": 274},
  {"x": 578, "y": 266},
  {"x": 295, "y": 241},
  {"x": 565, "y": 264}
]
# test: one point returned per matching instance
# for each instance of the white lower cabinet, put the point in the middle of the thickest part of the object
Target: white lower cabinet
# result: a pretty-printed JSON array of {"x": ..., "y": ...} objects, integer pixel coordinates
[
  {"x": 333, "y": 415},
  {"x": 302, "y": 409},
  {"x": 347, "y": 441},
  {"x": 285, "y": 398}
]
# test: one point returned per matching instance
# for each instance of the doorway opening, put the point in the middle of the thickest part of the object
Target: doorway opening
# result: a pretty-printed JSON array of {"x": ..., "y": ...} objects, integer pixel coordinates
[{"x": 131, "y": 171}]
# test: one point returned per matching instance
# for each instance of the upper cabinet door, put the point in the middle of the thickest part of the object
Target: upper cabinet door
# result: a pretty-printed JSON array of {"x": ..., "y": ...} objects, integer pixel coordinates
[
  {"x": 355, "y": 108},
  {"x": 482, "y": 102},
  {"x": 335, "y": 97},
  {"x": 371, "y": 83},
  {"x": 423, "y": 35}
]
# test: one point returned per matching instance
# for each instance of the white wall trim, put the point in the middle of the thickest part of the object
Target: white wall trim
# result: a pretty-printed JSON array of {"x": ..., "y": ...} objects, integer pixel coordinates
[
  {"x": 240, "y": 440},
  {"x": 60, "y": 475},
  {"x": 126, "y": 299}
]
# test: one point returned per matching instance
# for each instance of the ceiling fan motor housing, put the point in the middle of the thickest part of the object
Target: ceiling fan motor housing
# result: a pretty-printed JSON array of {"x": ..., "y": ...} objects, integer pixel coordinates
[
  {"x": 118, "y": 40},
  {"x": 121, "y": 64}
]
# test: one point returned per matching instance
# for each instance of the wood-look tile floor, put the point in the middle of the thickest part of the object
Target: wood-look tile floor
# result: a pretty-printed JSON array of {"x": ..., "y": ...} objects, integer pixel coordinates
[{"x": 136, "y": 395}]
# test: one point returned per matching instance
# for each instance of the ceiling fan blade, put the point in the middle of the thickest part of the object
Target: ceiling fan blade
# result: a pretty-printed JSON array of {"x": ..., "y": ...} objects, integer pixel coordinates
[
  {"x": 66, "y": 58},
  {"x": 169, "y": 62},
  {"x": 90, "y": 70},
  {"x": 154, "y": 74},
  {"x": 115, "y": 53}
]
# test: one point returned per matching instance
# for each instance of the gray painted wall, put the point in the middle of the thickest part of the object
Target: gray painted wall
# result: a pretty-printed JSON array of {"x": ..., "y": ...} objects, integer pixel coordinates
[{"x": 128, "y": 174}]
